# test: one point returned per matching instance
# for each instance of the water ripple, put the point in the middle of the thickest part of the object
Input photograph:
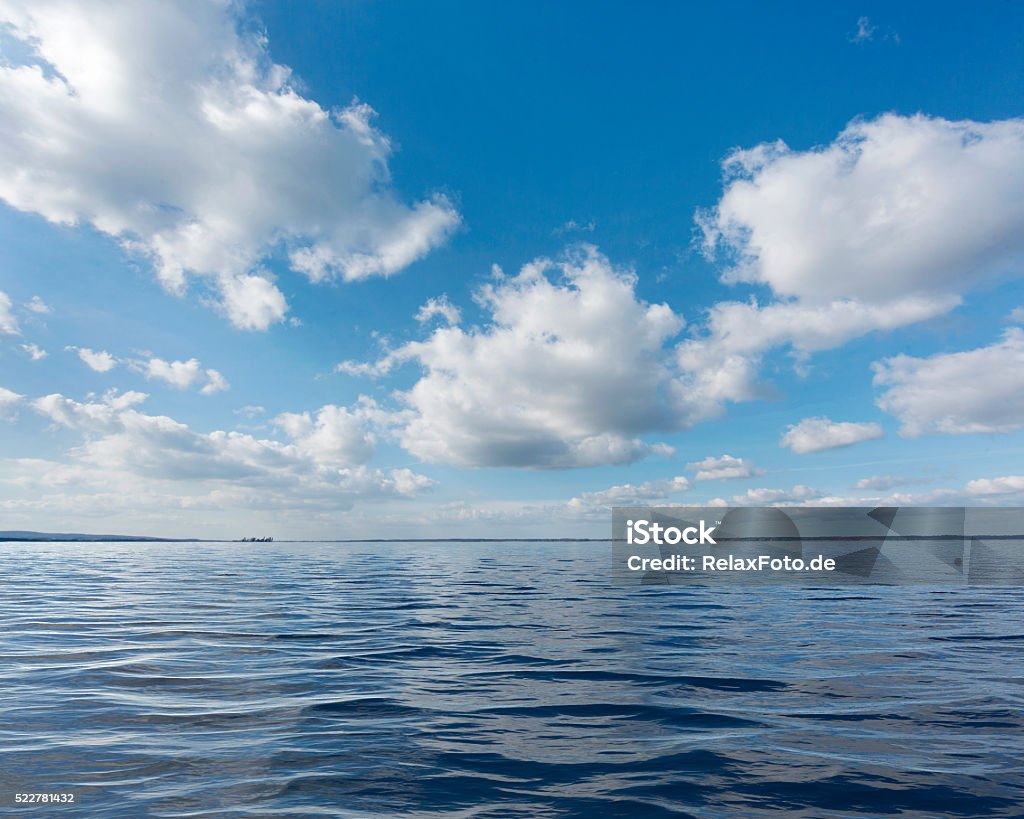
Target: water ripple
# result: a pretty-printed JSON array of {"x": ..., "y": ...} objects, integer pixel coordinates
[{"x": 493, "y": 680}]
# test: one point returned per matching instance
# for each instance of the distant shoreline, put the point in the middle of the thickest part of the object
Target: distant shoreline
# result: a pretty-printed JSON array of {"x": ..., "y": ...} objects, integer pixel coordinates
[{"x": 42, "y": 538}]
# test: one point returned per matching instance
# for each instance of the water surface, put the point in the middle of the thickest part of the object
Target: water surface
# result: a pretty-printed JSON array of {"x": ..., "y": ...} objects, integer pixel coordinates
[{"x": 492, "y": 680}]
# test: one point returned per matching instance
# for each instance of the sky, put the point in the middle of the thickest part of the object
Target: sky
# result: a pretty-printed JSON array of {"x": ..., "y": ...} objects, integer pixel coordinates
[{"x": 357, "y": 269}]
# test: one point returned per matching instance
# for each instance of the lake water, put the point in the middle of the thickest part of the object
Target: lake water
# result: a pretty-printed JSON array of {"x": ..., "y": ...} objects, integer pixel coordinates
[{"x": 492, "y": 680}]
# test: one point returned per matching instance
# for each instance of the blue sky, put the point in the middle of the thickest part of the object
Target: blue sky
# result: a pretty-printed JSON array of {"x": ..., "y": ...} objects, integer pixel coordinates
[{"x": 670, "y": 254}]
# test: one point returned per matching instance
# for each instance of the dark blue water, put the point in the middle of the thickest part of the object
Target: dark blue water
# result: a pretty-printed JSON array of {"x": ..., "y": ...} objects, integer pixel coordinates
[{"x": 492, "y": 680}]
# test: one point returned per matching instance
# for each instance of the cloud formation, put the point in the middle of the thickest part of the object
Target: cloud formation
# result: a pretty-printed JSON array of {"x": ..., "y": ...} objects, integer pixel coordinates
[
  {"x": 979, "y": 390},
  {"x": 319, "y": 464},
  {"x": 887, "y": 226},
  {"x": 97, "y": 360},
  {"x": 168, "y": 126},
  {"x": 724, "y": 468},
  {"x": 34, "y": 351},
  {"x": 8, "y": 321},
  {"x": 567, "y": 373},
  {"x": 816, "y": 434},
  {"x": 183, "y": 374},
  {"x": 629, "y": 495},
  {"x": 9, "y": 402}
]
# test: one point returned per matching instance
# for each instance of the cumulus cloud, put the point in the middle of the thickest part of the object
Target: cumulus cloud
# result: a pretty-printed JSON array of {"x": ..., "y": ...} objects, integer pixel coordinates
[
  {"x": 894, "y": 207},
  {"x": 1006, "y": 485},
  {"x": 887, "y": 226},
  {"x": 319, "y": 463},
  {"x": 9, "y": 402},
  {"x": 979, "y": 390},
  {"x": 566, "y": 373},
  {"x": 8, "y": 321},
  {"x": 98, "y": 360},
  {"x": 629, "y": 495},
  {"x": 816, "y": 434},
  {"x": 179, "y": 374},
  {"x": 184, "y": 374},
  {"x": 34, "y": 351},
  {"x": 725, "y": 468},
  {"x": 333, "y": 435},
  {"x": 168, "y": 126}
]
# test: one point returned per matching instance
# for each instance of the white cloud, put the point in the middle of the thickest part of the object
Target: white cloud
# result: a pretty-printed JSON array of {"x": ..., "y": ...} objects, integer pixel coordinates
[
  {"x": 884, "y": 482},
  {"x": 250, "y": 410},
  {"x": 799, "y": 494},
  {"x": 99, "y": 360},
  {"x": 1006, "y": 485},
  {"x": 179, "y": 374},
  {"x": 725, "y": 468},
  {"x": 335, "y": 435},
  {"x": 37, "y": 305},
  {"x": 215, "y": 382},
  {"x": 320, "y": 464},
  {"x": 8, "y": 321},
  {"x": 438, "y": 307},
  {"x": 868, "y": 233},
  {"x": 879, "y": 214},
  {"x": 168, "y": 126},
  {"x": 9, "y": 401},
  {"x": 979, "y": 390},
  {"x": 1016, "y": 316},
  {"x": 182, "y": 375},
  {"x": 34, "y": 351},
  {"x": 565, "y": 374},
  {"x": 629, "y": 495},
  {"x": 723, "y": 362},
  {"x": 816, "y": 434}
]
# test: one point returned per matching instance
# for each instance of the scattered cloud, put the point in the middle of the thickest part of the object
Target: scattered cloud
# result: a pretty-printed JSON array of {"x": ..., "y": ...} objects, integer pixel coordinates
[
  {"x": 179, "y": 374},
  {"x": 251, "y": 411},
  {"x": 629, "y": 495},
  {"x": 979, "y": 390},
  {"x": 867, "y": 233},
  {"x": 215, "y": 382},
  {"x": 884, "y": 482},
  {"x": 8, "y": 321},
  {"x": 878, "y": 214},
  {"x": 725, "y": 468},
  {"x": 865, "y": 31},
  {"x": 168, "y": 126},
  {"x": 34, "y": 351},
  {"x": 438, "y": 307},
  {"x": 9, "y": 402},
  {"x": 1006, "y": 485},
  {"x": 799, "y": 494},
  {"x": 567, "y": 373},
  {"x": 572, "y": 226},
  {"x": 1016, "y": 316},
  {"x": 816, "y": 434},
  {"x": 319, "y": 464},
  {"x": 98, "y": 360},
  {"x": 37, "y": 305}
]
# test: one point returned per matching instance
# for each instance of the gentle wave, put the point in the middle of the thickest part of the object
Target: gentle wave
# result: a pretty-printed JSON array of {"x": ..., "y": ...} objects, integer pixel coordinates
[{"x": 493, "y": 680}]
